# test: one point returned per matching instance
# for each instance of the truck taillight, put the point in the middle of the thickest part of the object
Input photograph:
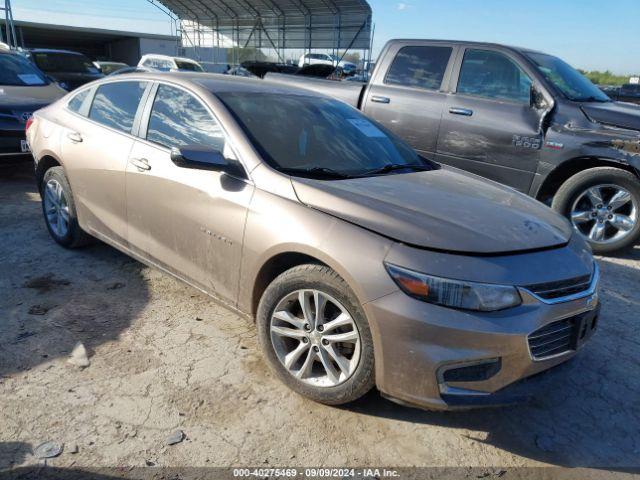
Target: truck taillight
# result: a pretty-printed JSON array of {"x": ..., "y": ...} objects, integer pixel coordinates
[{"x": 28, "y": 124}]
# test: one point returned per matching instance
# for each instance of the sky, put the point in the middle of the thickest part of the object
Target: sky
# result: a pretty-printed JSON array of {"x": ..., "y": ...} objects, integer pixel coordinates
[{"x": 589, "y": 34}]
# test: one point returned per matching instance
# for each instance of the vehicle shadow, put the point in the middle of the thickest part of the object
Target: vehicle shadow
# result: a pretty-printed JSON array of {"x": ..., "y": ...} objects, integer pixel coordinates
[
  {"x": 585, "y": 413},
  {"x": 54, "y": 298}
]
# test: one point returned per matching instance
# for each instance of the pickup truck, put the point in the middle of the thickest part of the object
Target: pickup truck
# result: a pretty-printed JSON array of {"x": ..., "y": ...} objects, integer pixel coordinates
[{"x": 516, "y": 116}]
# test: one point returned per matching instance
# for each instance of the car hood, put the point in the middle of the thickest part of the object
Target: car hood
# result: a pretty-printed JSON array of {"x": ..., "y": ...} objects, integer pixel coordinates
[
  {"x": 444, "y": 209},
  {"x": 75, "y": 79},
  {"x": 619, "y": 114},
  {"x": 29, "y": 98}
]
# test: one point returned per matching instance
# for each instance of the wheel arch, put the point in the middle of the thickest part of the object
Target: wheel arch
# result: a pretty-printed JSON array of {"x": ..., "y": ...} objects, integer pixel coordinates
[
  {"x": 44, "y": 163},
  {"x": 274, "y": 266},
  {"x": 569, "y": 168}
]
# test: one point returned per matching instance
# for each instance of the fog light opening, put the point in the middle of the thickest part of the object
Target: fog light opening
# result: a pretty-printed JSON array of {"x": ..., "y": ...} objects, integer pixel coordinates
[{"x": 476, "y": 372}]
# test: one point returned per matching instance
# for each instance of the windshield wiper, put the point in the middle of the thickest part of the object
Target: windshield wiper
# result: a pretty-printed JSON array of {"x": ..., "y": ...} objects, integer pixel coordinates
[
  {"x": 316, "y": 172},
  {"x": 392, "y": 167}
]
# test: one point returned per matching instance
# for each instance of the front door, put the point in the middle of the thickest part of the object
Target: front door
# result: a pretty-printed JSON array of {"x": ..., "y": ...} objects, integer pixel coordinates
[
  {"x": 188, "y": 221},
  {"x": 488, "y": 125},
  {"x": 408, "y": 100}
]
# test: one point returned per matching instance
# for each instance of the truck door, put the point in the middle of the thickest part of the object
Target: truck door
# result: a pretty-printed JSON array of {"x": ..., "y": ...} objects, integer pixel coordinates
[
  {"x": 488, "y": 125},
  {"x": 405, "y": 96}
]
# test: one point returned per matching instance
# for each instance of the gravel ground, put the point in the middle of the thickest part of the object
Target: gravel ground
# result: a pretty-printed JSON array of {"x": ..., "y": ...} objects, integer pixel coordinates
[{"x": 164, "y": 357}]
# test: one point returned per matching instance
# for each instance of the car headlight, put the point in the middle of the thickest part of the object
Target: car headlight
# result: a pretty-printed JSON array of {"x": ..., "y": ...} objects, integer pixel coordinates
[{"x": 454, "y": 293}]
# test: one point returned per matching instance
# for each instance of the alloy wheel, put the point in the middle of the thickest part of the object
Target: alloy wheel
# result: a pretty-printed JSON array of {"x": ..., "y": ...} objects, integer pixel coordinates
[
  {"x": 604, "y": 214},
  {"x": 56, "y": 208},
  {"x": 315, "y": 338}
]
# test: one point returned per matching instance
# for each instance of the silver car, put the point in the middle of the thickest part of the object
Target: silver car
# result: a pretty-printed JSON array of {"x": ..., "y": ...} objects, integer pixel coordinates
[{"x": 363, "y": 263}]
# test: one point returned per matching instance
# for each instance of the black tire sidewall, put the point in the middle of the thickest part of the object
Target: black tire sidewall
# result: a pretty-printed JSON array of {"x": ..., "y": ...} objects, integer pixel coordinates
[
  {"x": 569, "y": 192},
  {"x": 321, "y": 278},
  {"x": 73, "y": 232}
]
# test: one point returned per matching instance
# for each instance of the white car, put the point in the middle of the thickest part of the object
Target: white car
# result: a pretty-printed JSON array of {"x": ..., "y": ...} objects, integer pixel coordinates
[
  {"x": 165, "y": 63},
  {"x": 325, "y": 59}
]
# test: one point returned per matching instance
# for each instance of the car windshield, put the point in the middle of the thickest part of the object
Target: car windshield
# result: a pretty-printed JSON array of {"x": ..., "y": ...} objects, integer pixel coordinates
[
  {"x": 319, "y": 137},
  {"x": 17, "y": 71},
  {"x": 188, "y": 66},
  {"x": 567, "y": 79},
  {"x": 64, "y": 62}
]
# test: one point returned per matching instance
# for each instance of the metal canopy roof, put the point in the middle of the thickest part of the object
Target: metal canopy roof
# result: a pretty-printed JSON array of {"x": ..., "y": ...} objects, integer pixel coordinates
[{"x": 279, "y": 24}]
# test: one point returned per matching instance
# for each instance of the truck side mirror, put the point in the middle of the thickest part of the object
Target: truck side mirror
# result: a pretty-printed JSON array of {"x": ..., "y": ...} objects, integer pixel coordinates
[{"x": 536, "y": 98}]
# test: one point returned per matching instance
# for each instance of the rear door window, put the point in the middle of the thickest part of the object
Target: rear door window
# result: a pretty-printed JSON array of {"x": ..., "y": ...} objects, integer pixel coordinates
[
  {"x": 115, "y": 104},
  {"x": 420, "y": 67},
  {"x": 489, "y": 74},
  {"x": 178, "y": 118}
]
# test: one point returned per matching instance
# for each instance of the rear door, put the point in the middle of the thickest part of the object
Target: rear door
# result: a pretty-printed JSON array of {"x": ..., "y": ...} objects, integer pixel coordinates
[
  {"x": 406, "y": 93},
  {"x": 189, "y": 221},
  {"x": 488, "y": 125},
  {"x": 95, "y": 145}
]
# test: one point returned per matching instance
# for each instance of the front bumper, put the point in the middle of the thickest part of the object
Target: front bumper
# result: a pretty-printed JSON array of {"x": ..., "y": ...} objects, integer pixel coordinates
[
  {"x": 13, "y": 146},
  {"x": 439, "y": 358}
]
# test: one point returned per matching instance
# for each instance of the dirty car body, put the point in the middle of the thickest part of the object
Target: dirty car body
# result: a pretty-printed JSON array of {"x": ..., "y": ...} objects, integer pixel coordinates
[{"x": 459, "y": 286}]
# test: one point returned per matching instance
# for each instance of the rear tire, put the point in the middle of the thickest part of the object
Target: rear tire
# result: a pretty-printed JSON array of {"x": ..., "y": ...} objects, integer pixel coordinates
[
  {"x": 59, "y": 209},
  {"x": 587, "y": 200},
  {"x": 327, "y": 370}
]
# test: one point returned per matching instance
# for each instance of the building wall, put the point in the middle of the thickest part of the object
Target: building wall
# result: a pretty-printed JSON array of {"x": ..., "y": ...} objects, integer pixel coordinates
[{"x": 152, "y": 45}]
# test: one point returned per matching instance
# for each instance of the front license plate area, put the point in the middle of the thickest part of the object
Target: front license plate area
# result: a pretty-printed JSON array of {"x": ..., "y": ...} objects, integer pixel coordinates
[
  {"x": 24, "y": 146},
  {"x": 585, "y": 326}
]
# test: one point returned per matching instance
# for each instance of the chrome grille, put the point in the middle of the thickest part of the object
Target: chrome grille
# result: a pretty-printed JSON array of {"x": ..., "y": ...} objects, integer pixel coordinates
[{"x": 562, "y": 288}]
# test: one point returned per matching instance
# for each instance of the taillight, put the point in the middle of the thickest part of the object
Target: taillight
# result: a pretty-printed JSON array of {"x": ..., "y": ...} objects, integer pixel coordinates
[{"x": 28, "y": 124}]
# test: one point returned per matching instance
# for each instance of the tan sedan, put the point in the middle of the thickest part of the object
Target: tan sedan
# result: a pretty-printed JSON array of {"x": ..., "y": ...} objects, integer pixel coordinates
[{"x": 363, "y": 263}]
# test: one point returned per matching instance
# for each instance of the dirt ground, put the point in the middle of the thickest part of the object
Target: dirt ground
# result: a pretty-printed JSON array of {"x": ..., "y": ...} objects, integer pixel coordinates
[{"x": 166, "y": 357}]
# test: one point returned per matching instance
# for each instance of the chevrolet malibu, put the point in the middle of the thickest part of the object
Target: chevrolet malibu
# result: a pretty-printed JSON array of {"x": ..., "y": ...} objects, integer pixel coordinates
[{"x": 363, "y": 263}]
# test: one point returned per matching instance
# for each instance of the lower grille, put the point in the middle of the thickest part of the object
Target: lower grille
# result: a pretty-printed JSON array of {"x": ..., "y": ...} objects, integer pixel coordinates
[{"x": 562, "y": 336}]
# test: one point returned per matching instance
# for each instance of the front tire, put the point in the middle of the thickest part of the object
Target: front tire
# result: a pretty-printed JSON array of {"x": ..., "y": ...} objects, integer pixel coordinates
[
  {"x": 315, "y": 336},
  {"x": 603, "y": 205},
  {"x": 59, "y": 210}
]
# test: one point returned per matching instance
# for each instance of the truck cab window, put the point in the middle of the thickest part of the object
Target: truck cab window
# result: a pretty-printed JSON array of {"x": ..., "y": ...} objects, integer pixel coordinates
[
  {"x": 421, "y": 67},
  {"x": 489, "y": 74}
]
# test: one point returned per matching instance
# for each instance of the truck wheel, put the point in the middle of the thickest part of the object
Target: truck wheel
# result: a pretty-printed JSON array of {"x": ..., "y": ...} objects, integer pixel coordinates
[
  {"x": 315, "y": 335},
  {"x": 603, "y": 205},
  {"x": 60, "y": 210}
]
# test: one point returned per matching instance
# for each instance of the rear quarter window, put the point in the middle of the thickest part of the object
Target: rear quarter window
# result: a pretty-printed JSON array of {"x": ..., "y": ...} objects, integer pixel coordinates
[
  {"x": 77, "y": 101},
  {"x": 419, "y": 67}
]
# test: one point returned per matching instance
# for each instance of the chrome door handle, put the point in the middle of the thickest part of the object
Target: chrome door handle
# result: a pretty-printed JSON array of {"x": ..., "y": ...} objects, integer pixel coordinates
[
  {"x": 378, "y": 99},
  {"x": 142, "y": 164},
  {"x": 75, "y": 137},
  {"x": 461, "y": 111}
]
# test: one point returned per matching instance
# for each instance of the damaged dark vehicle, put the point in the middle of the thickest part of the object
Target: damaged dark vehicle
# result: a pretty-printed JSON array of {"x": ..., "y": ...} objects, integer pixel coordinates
[{"x": 520, "y": 117}]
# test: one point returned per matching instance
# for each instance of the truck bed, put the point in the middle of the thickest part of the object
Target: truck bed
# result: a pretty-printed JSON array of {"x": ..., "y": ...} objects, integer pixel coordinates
[{"x": 348, "y": 92}]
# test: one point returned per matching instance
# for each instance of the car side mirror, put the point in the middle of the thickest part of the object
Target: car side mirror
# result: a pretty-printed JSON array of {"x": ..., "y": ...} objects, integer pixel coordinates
[
  {"x": 536, "y": 98},
  {"x": 202, "y": 157}
]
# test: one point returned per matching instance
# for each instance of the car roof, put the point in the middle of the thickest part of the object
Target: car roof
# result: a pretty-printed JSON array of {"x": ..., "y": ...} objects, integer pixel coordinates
[
  {"x": 53, "y": 50},
  {"x": 168, "y": 57},
  {"x": 218, "y": 83}
]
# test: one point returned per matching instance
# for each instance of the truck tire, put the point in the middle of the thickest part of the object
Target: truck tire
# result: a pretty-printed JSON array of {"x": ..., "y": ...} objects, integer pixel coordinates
[
  {"x": 327, "y": 359},
  {"x": 603, "y": 205},
  {"x": 59, "y": 210}
]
